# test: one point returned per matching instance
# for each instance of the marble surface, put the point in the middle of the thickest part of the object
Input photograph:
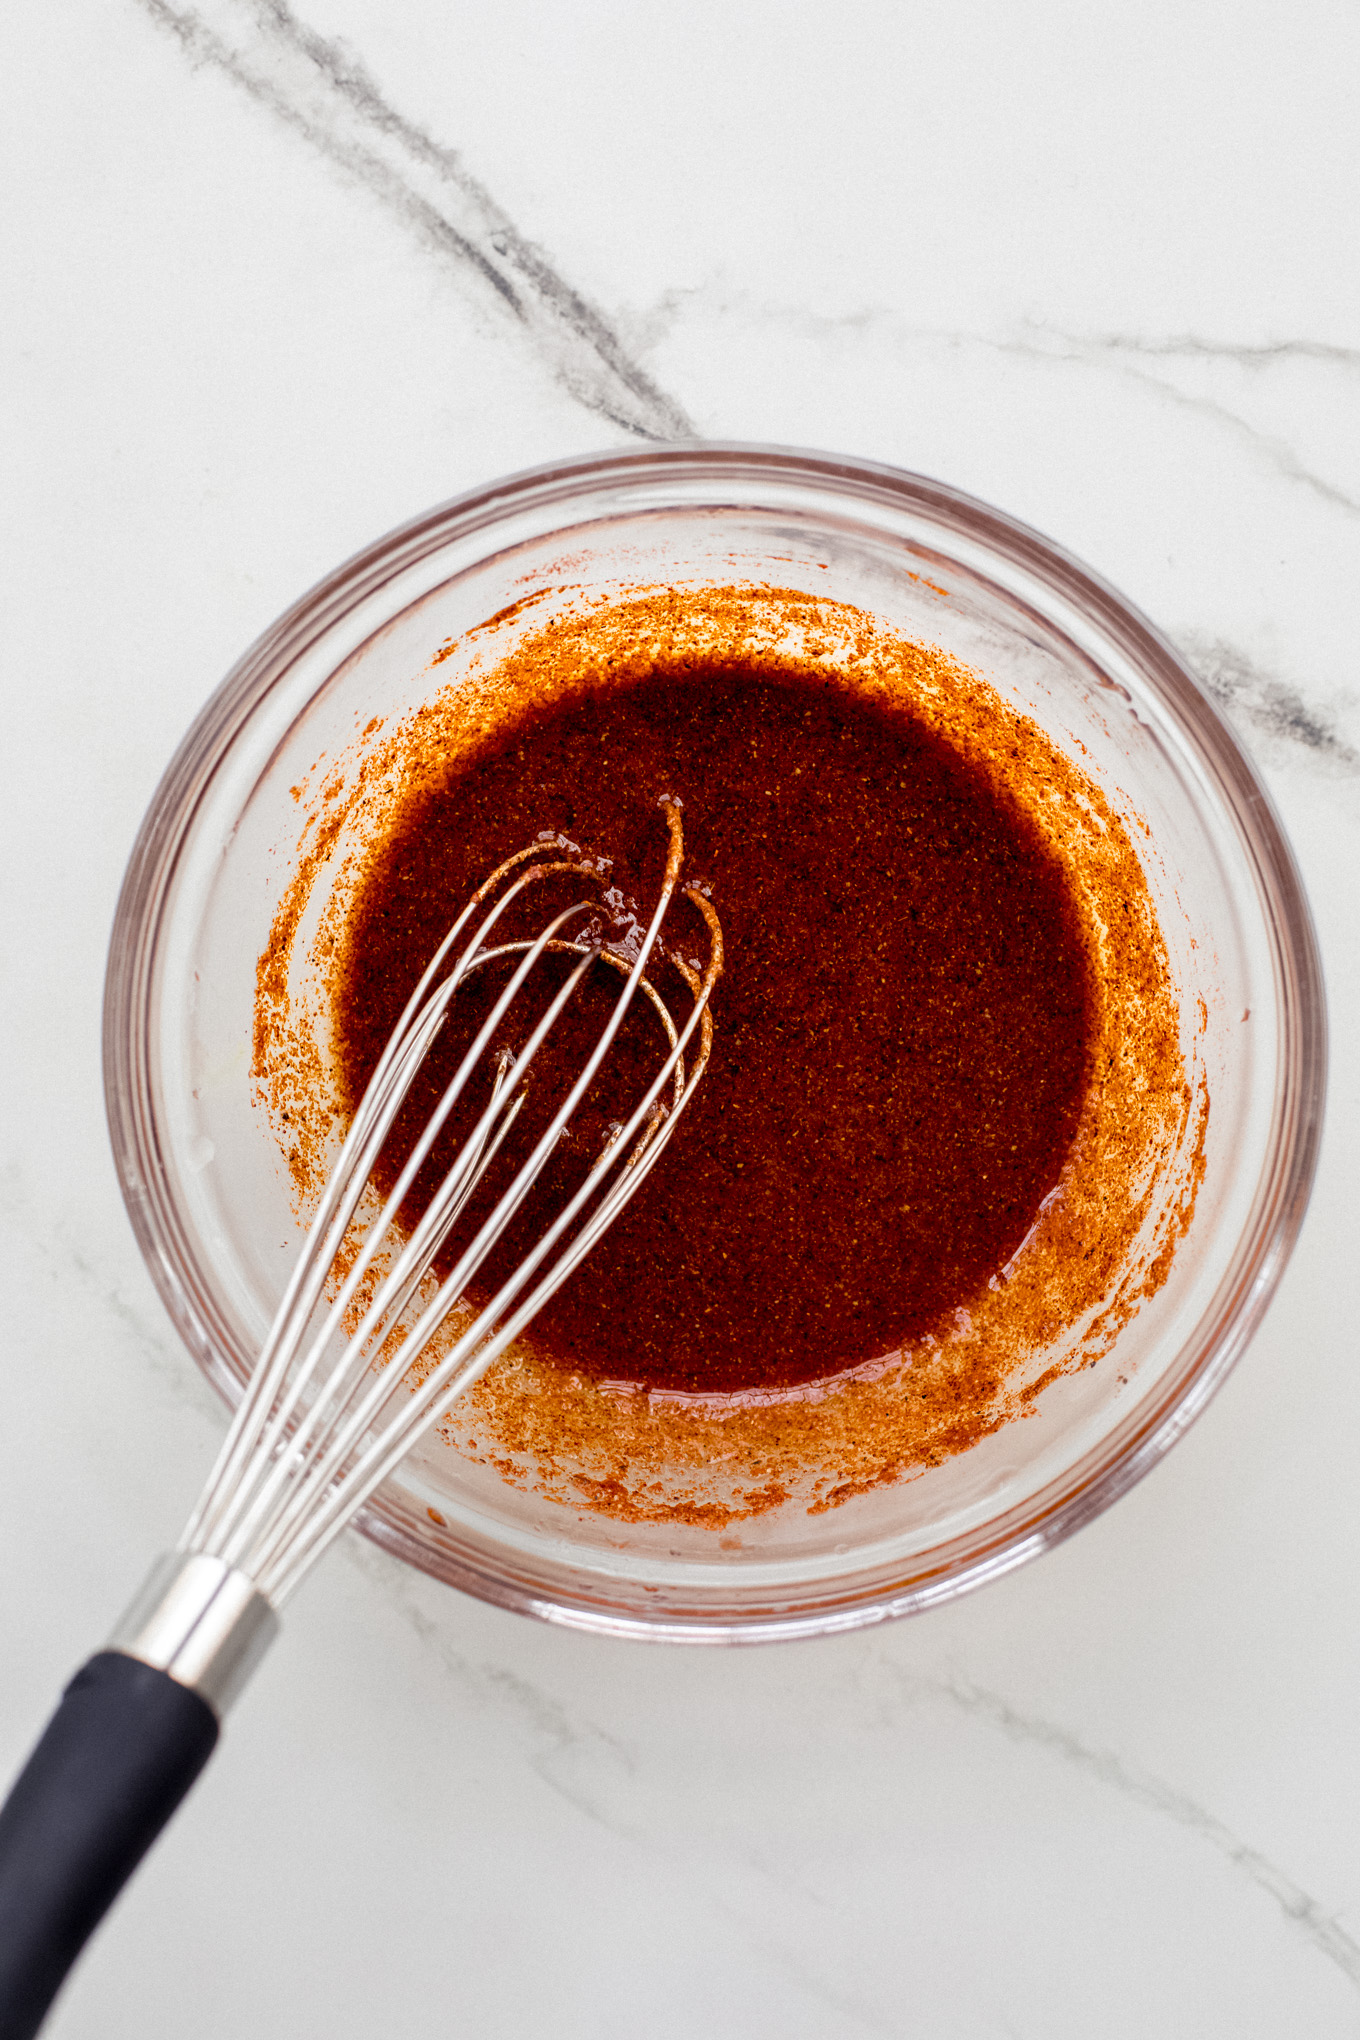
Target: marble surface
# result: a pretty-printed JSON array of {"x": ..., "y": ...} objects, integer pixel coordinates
[{"x": 278, "y": 280}]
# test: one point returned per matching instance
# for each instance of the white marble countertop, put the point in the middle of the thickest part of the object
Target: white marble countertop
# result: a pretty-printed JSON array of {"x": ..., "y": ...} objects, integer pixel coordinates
[{"x": 278, "y": 281}]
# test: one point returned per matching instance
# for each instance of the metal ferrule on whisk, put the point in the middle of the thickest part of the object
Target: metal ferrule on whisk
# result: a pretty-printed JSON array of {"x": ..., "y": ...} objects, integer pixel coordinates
[{"x": 202, "y": 1621}]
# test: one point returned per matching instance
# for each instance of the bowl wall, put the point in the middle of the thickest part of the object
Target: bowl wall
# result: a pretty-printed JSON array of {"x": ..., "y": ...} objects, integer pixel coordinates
[{"x": 201, "y": 1170}]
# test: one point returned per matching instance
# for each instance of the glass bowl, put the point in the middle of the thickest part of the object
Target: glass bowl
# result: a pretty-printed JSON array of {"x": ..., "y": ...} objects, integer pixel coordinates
[{"x": 202, "y": 1175}]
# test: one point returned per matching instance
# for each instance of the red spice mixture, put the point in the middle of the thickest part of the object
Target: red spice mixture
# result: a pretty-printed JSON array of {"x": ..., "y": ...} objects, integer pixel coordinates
[
  {"x": 903, "y": 1027},
  {"x": 945, "y": 1143}
]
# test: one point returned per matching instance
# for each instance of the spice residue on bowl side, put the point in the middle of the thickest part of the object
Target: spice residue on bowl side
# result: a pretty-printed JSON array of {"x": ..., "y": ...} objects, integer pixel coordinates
[{"x": 948, "y": 1083}]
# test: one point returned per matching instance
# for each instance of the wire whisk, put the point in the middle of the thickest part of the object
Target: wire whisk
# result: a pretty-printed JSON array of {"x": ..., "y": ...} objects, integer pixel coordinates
[
  {"x": 337, "y": 1396},
  {"x": 316, "y": 1433}
]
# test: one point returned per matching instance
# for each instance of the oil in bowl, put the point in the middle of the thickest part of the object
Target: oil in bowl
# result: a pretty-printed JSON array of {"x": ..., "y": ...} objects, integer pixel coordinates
[{"x": 1000, "y": 1169}]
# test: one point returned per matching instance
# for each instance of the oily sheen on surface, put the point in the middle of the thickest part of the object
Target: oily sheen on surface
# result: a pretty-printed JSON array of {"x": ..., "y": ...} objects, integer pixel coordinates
[{"x": 903, "y": 1029}]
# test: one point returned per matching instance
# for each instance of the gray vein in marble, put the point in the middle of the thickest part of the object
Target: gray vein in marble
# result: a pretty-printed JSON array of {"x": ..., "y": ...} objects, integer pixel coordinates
[
  {"x": 563, "y": 1739},
  {"x": 1303, "y": 1912},
  {"x": 1264, "y": 445},
  {"x": 566, "y": 1750},
  {"x": 551, "y": 1724},
  {"x": 1039, "y": 343},
  {"x": 1265, "y": 706},
  {"x": 778, "y": 1953},
  {"x": 1188, "y": 346},
  {"x": 321, "y": 91},
  {"x": 1050, "y": 343},
  {"x": 67, "y": 1261}
]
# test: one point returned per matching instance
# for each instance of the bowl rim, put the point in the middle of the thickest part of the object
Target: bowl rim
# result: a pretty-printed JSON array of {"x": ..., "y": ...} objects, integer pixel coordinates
[{"x": 1286, "y": 1176}]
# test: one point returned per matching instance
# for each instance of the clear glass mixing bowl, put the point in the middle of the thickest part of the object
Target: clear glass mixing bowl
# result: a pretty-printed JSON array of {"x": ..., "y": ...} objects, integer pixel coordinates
[{"x": 202, "y": 1175}]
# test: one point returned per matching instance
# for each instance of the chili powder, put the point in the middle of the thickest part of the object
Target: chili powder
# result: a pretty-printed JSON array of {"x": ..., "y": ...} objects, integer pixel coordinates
[{"x": 904, "y": 1029}]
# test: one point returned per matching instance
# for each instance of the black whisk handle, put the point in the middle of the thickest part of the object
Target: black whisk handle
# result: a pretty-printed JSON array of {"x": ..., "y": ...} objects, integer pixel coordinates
[{"x": 116, "y": 1759}]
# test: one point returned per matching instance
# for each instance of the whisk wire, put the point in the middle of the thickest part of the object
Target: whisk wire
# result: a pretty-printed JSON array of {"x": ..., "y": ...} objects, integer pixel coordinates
[
  {"x": 471, "y": 1356},
  {"x": 295, "y": 1458},
  {"x": 308, "y": 1446},
  {"x": 232, "y": 1529},
  {"x": 392, "y": 1077}
]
